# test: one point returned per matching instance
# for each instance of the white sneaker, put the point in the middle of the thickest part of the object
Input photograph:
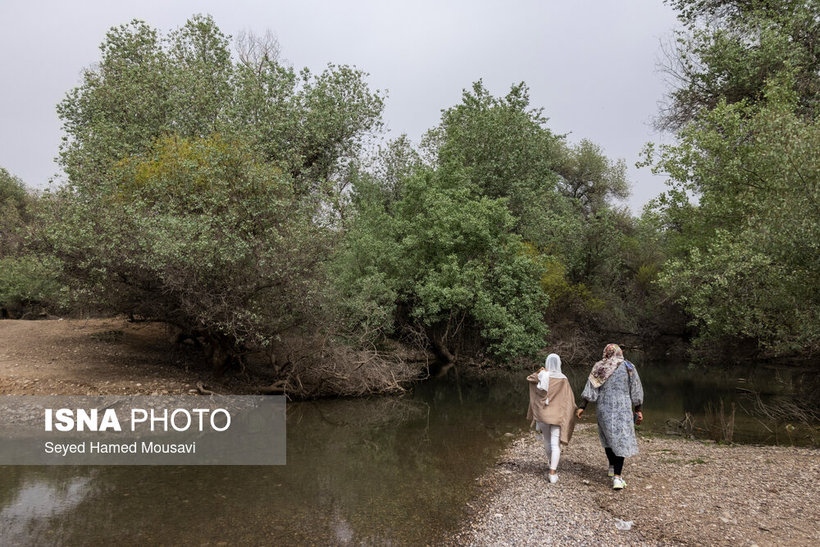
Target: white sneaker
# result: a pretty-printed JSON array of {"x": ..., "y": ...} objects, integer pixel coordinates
[
  {"x": 553, "y": 478},
  {"x": 611, "y": 472},
  {"x": 618, "y": 483}
]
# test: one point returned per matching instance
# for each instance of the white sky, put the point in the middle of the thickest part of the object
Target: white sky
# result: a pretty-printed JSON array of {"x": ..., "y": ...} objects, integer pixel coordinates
[{"x": 591, "y": 64}]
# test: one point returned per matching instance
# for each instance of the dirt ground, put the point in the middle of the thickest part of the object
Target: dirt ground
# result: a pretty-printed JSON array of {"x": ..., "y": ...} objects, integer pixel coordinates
[{"x": 102, "y": 357}]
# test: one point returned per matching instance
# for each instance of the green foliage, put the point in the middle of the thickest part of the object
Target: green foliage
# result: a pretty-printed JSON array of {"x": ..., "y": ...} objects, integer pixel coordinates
[
  {"x": 732, "y": 48},
  {"x": 186, "y": 84},
  {"x": 201, "y": 190},
  {"x": 751, "y": 271},
  {"x": 120, "y": 109},
  {"x": 312, "y": 126},
  {"x": 497, "y": 226},
  {"x": 447, "y": 264},
  {"x": 200, "y": 71},
  {"x": 562, "y": 294},
  {"x": 740, "y": 219},
  {"x": 14, "y": 213},
  {"x": 362, "y": 287},
  {"x": 590, "y": 178},
  {"x": 503, "y": 143},
  {"x": 29, "y": 282},
  {"x": 12, "y": 189},
  {"x": 198, "y": 233},
  {"x": 559, "y": 194},
  {"x": 395, "y": 163},
  {"x": 210, "y": 193}
]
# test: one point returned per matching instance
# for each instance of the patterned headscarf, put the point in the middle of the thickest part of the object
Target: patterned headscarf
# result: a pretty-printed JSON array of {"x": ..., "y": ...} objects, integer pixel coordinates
[{"x": 603, "y": 369}]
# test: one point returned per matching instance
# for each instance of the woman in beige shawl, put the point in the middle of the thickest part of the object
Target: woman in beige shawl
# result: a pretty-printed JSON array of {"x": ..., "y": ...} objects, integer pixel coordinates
[{"x": 552, "y": 406}]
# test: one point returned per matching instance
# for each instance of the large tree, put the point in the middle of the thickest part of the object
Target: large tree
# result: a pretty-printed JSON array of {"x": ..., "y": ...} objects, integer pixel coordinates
[
  {"x": 741, "y": 215},
  {"x": 186, "y": 84},
  {"x": 561, "y": 195},
  {"x": 749, "y": 270},
  {"x": 590, "y": 178},
  {"x": 13, "y": 211},
  {"x": 28, "y": 279},
  {"x": 443, "y": 263},
  {"x": 201, "y": 234},
  {"x": 469, "y": 242},
  {"x": 729, "y": 49},
  {"x": 503, "y": 142},
  {"x": 200, "y": 190}
]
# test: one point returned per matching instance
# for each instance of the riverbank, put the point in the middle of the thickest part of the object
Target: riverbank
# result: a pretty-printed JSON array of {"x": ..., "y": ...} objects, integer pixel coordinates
[
  {"x": 679, "y": 492},
  {"x": 114, "y": 356},
  {"x": 108, "y": 356}
]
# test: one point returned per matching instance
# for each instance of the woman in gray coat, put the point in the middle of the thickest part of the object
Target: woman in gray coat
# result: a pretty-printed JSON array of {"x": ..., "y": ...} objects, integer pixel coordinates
[{"x": 614, "y": 385}]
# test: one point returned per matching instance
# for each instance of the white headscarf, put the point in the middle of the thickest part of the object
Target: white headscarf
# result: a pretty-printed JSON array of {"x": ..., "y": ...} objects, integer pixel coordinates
[{"x": 552, "y": 369}]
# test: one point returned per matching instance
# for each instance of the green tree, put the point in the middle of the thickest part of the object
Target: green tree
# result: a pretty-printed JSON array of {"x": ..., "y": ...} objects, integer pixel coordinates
[
  {"x": 14, "y": 213},
  {"x": 120, "y": 109},
  {"x": 729, "y": 50},
  {"x": 186, "y": 84},
  {"x": 395, "y": 163},
  {"x": 200, "y": 190},
  {"x": 750, "y": 271},
  {"x": 314, "y": 126},
  {"x": 590, "y": 178},
  {"x": 202, "y": 235},
  {"x": 740, "y": 217},
  {"x": 29, "y": 279},
  {"x": 562, "y": 196},
  {"x": 30, "y": 285},
  {"x": 199, "y": 80},
  {"x": 502, "y": 142},
  {"x": 446, "y": 266}
]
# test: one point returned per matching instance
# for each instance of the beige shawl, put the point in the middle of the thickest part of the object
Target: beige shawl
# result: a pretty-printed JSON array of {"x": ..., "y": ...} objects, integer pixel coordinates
[{"x": 561, "y": 408}]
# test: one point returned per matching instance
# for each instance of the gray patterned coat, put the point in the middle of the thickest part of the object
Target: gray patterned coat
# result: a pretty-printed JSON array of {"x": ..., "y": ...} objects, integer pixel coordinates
[{"x": 615, "y": 399}]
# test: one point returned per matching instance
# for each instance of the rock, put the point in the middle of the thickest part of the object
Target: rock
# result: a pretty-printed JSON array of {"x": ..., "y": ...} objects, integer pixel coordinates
[{"x": 623, "y": 524}]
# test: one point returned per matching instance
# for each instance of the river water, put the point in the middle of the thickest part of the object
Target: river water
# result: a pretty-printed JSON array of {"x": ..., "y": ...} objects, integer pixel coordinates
[{"x": 388, "y": 470}]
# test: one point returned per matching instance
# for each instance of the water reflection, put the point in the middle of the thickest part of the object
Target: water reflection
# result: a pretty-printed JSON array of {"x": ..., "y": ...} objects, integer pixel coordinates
[
  {"x": 769, "y": 402},
  {"x": 385, "y": 470},
  {"x": 37, "y": 506}
]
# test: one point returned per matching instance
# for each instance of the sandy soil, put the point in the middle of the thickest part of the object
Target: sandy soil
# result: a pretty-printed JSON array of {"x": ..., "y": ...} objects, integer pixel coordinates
[
  {"x": 679, "y": 492},
  {"x": 101, "y": 357}
]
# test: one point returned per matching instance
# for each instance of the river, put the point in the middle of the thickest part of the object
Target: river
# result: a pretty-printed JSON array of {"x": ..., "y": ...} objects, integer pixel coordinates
[{"x": 387, "y": 470}]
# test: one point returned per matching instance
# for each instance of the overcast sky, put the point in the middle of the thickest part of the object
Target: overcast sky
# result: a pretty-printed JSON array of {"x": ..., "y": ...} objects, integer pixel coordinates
[{"x": 591, "y": 64}]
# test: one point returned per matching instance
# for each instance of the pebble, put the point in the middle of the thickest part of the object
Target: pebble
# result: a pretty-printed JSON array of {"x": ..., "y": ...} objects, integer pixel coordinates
[
  {"x": 528, "y": 510},
  {"x": 518, "y": 505}
]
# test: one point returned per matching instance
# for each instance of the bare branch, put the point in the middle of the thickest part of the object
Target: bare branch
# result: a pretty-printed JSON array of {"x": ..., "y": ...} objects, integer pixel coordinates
[{"x": 255, "y": 51}]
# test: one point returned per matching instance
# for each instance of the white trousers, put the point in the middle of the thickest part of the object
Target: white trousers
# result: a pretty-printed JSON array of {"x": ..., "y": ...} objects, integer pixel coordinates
[{"x": 552, "y": 443}]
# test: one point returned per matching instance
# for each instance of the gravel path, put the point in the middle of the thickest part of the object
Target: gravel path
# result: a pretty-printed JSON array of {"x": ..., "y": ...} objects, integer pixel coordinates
[{"x": 679, "y": 492}]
